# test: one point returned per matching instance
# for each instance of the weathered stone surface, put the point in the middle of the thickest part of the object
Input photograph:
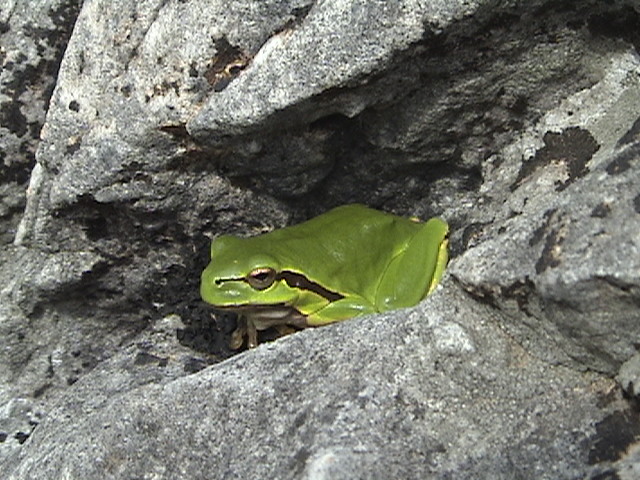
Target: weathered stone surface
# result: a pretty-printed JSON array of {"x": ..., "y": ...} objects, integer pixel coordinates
[
  {"x": 32, "y": 41},
  {"x": 316, "y": 62},
  {"x": 405, "y": 395},
  {"x": 172, "y": 122},
  {"x": 629, "y": 376},
  {"x": 564, "y": 247}
]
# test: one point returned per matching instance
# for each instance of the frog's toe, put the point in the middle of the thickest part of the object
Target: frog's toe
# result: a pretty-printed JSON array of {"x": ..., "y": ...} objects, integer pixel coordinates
[
  {"x": 285, "y": 330},
  {"x": 252, "y": 335},
  {"x": 237, "y": 337}
]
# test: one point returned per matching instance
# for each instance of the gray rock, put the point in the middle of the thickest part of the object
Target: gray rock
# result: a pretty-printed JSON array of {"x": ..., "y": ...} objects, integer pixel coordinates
[
  {"x": 629, "y": 376},
  {"x": 564, "y": 249},
  {"x": 629, "y": 466},
  {"x": 32, "y": 42},
  {"x": 298, "y": 63},
  {"x": 173, "y": 122},
  {"x": 427, "y": 391}
]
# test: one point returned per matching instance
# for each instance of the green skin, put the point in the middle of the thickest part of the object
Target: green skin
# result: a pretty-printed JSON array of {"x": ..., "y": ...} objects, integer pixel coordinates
[{"x": 350, "y": 261}]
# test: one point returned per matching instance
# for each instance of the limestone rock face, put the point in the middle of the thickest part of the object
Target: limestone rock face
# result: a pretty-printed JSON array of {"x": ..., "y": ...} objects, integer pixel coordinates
[
  {"x": 172, "y": 122},
  {"x": 32, "y": 42}
]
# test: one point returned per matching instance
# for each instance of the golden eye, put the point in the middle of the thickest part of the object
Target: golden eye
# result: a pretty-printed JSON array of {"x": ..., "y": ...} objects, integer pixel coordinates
[{"x": 261, "y": 278}]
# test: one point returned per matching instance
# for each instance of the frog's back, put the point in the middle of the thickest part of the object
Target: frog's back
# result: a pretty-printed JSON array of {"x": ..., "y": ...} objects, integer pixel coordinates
[
  {"x": 352, "y": 245},
  {"x": 347, "y": 220}
]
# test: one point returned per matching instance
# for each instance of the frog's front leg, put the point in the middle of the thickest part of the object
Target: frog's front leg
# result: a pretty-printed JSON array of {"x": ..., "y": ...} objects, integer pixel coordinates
[
  {"x": 241, "y": 331},
  {"x": 246, "y": 328},
  {"x": 249, "y": 322},
  {"x": 416, "y": 270}
]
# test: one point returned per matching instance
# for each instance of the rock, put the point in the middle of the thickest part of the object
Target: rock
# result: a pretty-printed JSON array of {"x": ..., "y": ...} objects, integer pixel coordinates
[
  {"x": 629, "y": 466},
  {"x": 564, "y": 250},
  {"x": 393, "y": 401},
  {"x": 33, "y": 41},
  {"x": 629, "y": 376},
  {"x": 173, "y": 122}
]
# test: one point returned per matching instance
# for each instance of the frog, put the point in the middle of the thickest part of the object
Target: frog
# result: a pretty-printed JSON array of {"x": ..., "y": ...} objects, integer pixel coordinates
[{"x": 350, "y": 261}]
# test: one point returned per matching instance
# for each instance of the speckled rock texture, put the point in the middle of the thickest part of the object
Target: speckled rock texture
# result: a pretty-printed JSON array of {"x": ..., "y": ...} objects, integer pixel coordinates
[
  {"x": 33, "y": 38},
  {"x": 175, "y": 121}
]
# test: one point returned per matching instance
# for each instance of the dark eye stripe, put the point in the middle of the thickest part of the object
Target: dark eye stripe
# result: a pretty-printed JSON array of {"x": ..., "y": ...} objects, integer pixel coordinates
[{"x": 298, "y": 280}]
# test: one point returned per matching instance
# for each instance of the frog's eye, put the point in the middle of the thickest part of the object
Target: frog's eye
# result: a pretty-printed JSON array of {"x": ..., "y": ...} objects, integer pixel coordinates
[{"x": 261, "y": 278}]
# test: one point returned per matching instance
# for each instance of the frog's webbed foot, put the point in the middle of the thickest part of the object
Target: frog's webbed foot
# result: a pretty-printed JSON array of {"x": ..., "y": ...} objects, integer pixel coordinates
[{"x": 285, "y": 329}]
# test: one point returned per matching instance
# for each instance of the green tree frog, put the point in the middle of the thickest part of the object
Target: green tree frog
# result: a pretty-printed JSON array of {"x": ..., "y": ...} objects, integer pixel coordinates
[{"x": 350, "y": 261}]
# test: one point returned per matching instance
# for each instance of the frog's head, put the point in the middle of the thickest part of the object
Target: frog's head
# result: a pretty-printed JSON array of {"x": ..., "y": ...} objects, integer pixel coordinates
[{"x": 238, "y": 275}]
